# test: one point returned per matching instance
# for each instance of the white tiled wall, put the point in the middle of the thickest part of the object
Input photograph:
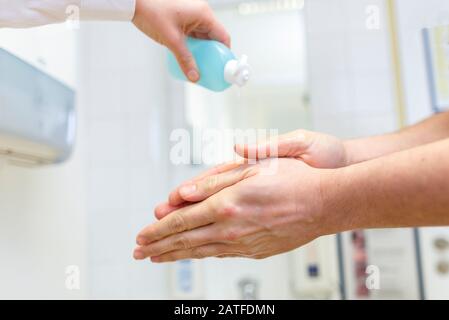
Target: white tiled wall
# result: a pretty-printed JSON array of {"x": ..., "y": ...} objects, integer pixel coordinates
[
  {"x": 350, "y": 70},
  {"x": 352, "y": 95},
  {"x": 123, "y": 89},
  {"x": 414, "y": 15},
  {"x": 43, "y": 210}
]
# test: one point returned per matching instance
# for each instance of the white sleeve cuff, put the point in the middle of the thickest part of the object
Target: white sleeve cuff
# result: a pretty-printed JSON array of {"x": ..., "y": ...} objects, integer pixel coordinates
[{"x": 113, "y": 10}]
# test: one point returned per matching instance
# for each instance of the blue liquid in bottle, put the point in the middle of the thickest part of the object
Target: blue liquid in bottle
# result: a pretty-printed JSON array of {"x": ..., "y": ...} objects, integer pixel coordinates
[{"x": 219, "y": 69}]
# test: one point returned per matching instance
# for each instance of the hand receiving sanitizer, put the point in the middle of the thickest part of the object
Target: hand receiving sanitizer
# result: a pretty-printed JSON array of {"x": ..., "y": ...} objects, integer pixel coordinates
[{"x": 219, "y": 68}]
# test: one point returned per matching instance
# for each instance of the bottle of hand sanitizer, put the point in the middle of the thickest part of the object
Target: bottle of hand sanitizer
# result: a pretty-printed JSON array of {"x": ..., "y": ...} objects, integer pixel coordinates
[{"x": 219, "y": 69}]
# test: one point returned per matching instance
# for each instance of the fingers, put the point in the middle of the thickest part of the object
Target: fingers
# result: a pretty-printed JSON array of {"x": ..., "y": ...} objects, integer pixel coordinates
[
  {"x": 289, "y": 145},
  {"x": 200, "y": 35},
  {"x": 209, "y": 186},
  {"x": 208, "y": 27},
  {"x": 210, "y": 250},
  {"x": 187, "y": 218},
  {"x": 219, "y": 33},
  {"x": 165, "y": 208},
  {"x": 175, "y": 198},
  {"x": 181, "y": 241},
  {"x": 177, "y": 44}
]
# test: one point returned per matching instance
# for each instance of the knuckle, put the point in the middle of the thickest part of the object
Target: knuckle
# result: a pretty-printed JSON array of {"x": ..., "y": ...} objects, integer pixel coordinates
[
  {"x": 198, "y": 253},
  {"x": 177, "y": 223},
  {"x": 213, "y": 207},
  {"x": 181, "y": 243},
  {"x": 211, "y": 183},
  {"x": 231, "y": 235},
  {"x": 185, "y": 58},
  {"x": 172, "y": 40},
  {"x": 250, "y": 170},
  {"x": 228, "y": 211},
  {"x": 154, "y": 232}
]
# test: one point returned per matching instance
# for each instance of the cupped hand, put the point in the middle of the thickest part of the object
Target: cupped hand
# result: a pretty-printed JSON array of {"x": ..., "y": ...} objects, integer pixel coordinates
[
  {"x": 169, "y": 22},
  {"x": 318, "y": 150},
  {"x": 261, "y": 213}
]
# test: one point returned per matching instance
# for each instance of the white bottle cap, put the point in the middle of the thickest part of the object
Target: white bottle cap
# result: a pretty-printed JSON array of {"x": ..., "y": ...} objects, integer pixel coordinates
[{"x": 237, "y": 71}]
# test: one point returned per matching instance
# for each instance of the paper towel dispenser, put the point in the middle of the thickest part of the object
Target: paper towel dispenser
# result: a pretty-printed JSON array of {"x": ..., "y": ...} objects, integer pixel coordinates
[{"x": 37, "y": 114}]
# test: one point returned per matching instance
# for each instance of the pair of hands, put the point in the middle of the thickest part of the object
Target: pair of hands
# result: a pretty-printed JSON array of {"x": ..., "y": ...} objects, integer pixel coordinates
[
  {"x": 243, "y": 210},
  {"x": 236, "y": 209},
  {"x": 169, "y": 22}
]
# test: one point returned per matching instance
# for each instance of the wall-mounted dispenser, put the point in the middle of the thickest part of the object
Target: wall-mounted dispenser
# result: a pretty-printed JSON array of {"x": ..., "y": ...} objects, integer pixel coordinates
[
  {"x": 314, "y": 273},
  {"x": 37, "y": 114}
]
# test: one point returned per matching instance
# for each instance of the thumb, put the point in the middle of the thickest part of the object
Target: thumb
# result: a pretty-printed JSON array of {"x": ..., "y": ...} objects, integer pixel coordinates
[
  {"x": 185, "y": 59},
  {"x": 285, "y": 146}
]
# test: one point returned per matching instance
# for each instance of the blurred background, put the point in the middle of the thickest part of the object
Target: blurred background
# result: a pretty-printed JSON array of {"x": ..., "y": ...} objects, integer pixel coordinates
[{"x": 350, "y": 68}]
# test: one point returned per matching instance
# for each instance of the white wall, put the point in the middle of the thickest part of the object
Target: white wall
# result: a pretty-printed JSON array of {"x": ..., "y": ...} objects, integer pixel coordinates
[
  {"x": 414, "y": 15},
  {"x": 272, "y": 99},
  {"x": 350, "y": 71},
  {"x": 123, "y": 90},
  {"x": 51, "y": 48},
  {"x": 352, "y": 95},
  {"x": 42, "y": 210}
]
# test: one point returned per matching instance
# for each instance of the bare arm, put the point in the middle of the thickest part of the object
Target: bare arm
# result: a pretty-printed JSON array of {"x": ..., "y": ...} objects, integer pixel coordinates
[
  {"x": 428, "y": 131},
  {"x": 256, "y": 215},
  {"x": 324, "y": 151},
  {"x": 405, "y": 189}
]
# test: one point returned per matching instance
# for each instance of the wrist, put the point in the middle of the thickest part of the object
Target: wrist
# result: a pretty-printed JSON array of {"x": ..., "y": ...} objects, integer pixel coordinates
[{"x": 339, "y": 200}]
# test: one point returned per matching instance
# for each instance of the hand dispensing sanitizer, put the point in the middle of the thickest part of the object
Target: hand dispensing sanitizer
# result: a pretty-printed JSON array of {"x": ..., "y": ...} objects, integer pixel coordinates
[{"x": 219, "y": 68}]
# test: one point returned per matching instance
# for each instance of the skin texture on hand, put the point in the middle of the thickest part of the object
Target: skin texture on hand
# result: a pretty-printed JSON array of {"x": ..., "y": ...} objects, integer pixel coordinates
[
  {"x": 258, "y": 215},
  {"x": 404, "y": 189},
  {"x": 170, "y": 22}
]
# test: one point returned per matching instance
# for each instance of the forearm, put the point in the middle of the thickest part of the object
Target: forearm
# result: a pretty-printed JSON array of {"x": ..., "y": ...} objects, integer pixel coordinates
[
  {"x": 428, "y": 131},
  {"x": 26, "y": 13},
  {"x": 405, "y": 189}
]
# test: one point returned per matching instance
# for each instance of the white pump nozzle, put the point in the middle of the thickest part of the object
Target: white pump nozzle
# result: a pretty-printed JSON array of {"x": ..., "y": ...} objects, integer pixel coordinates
[{"x": 237, "y": 71}]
